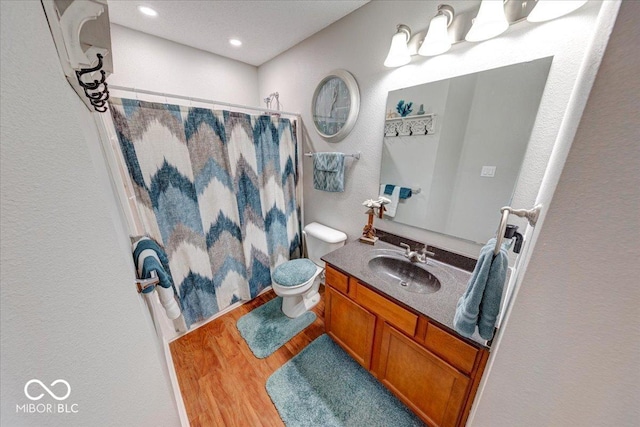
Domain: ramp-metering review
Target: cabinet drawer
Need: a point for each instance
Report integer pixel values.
(336, 280)
(401, 318)
(455, 351)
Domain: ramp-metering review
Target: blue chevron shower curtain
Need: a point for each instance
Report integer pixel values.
(218, 190)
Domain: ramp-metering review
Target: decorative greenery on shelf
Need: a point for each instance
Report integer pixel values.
(404, 109)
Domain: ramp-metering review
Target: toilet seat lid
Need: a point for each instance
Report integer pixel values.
(294, 272)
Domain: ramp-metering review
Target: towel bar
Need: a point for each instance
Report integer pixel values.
(530, 214)
(142, 284)
(354, 155)
(414, 190)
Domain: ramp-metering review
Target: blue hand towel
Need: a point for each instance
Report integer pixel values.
(328, 172)
(149, 256)
(405, 193)
(480, 303)
(153, 260)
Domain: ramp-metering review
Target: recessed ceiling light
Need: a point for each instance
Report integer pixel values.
(235, 42)
(147, 11)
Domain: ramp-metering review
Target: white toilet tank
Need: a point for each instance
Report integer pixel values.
(321, 240)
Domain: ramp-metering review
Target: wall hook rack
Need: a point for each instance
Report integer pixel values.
(423, 124)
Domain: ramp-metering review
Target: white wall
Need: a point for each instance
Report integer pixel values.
(147, 62)
(569, 353)
(359, 43)
(69, 308)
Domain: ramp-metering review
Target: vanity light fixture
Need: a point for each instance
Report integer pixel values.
(437, 40)
(489, 23)
(146, 10)
(545, 10)
(493, 18)
(235, 42)
(399, 51)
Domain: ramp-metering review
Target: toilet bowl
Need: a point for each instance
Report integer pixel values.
(298, 281)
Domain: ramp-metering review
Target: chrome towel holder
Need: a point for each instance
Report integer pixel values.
(531, 215)
(143, 284)
(354, 155)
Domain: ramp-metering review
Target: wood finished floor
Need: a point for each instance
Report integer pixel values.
(222, 382)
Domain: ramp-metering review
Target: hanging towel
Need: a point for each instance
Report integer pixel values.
(405, 193)
(394, 196)
(480, 303)
(149, 256)
(328, 172)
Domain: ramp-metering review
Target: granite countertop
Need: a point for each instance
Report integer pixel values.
(439, 306)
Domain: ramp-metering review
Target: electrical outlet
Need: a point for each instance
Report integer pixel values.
(488, 171)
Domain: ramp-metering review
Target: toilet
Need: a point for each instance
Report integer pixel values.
(298, 281)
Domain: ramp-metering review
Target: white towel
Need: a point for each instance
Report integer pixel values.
(394, 197)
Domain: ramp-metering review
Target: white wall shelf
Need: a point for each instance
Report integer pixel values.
(423, 124)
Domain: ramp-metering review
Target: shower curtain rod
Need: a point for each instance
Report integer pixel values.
(205, 101)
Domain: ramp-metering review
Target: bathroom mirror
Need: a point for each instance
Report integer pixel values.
(461, 148)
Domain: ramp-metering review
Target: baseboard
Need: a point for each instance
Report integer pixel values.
(218, 314)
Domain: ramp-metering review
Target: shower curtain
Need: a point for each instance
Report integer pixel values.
(218, 190)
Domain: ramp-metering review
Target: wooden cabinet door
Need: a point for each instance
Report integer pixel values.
(349, 325)
(432, 388)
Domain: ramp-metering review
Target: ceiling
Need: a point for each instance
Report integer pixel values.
(266, 28)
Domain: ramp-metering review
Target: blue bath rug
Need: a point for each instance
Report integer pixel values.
(267, 328)
(324, 386)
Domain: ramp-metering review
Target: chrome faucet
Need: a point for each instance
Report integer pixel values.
(416, 256)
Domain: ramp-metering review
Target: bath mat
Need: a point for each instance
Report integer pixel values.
(324, 386)
(266, 328)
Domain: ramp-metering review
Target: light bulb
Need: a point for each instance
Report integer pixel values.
(146, 10)
(490, 21)
(399, 51)
(437, 40)
(546, 10)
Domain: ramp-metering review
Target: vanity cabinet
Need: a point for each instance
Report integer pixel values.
(432, 370)
(350, 325)
(435, 390)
